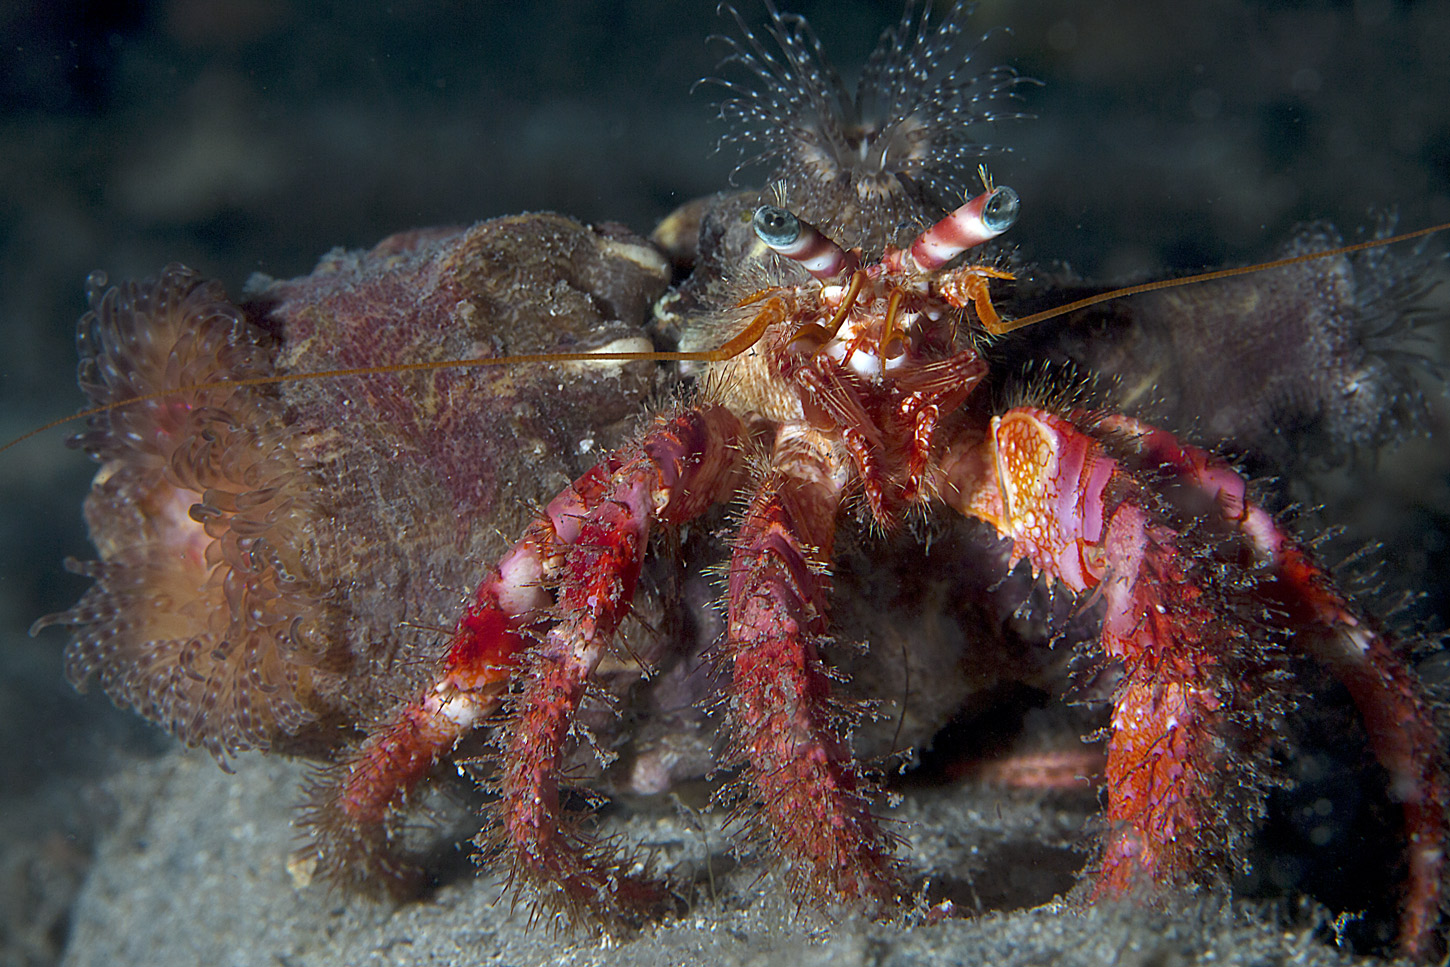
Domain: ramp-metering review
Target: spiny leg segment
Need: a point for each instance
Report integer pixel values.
(587, 547)
(790, 737)
(1402, 727)
(1199, 633)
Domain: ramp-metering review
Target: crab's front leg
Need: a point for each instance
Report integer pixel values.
(587, 547)
(1397, 713)
(684, 466)
(1080, 519)
(813, 804)
(1199, 623)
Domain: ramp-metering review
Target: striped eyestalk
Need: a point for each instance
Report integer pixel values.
(982, 218)
(799, 241)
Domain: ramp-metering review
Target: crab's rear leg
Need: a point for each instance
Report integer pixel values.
(1398, 717)
(588, 547)
(798, 772)
(348, 822)
(1194, 659)
(682, 467)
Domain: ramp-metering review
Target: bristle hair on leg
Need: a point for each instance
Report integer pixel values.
(359, 857)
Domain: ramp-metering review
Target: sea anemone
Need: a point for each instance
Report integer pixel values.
(869, 167)
(207, 609)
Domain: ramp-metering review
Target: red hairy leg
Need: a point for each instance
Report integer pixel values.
(348, 823)
(814, 804)
(1396, 712)
(1082, 519)
(684, 465)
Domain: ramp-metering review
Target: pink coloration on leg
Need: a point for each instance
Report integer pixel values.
(1396, 712)
(1078, 518)
(1196, 649)
(1042, 482)
(685, 465)
(1166, 758)
(352, 804)
(814, 805)
(588, 544)
(596, 586)
(1058, 770)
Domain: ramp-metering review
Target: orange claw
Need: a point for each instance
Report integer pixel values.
(1173, 608)
(967, 285)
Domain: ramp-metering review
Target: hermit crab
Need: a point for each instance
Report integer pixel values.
(835, 334)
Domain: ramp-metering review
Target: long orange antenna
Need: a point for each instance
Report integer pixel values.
(748, 337)
(1007, 326)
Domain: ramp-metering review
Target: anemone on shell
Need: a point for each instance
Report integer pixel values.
(863, 166)
(205, 612)
(276, 560)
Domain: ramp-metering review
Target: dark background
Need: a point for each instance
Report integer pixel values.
(240, 137)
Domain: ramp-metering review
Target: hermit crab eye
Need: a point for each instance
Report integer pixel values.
(982, 218)
(789, 237)
(1000, 211)
(776, 227)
